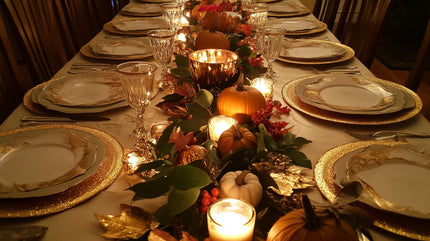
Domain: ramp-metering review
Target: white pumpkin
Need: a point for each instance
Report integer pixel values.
(241, 185)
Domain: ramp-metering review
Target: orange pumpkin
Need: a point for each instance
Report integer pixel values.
(234, 138)
(307, 225)
(240, 102)
(211, 40)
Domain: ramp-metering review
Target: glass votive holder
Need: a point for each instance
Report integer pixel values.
(133, 159)
(264, 85)
(231, 219)
(218, 124)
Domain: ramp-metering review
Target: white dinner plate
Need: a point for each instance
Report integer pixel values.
(305, 50)
(139, 24)
(86, 90)
(122, 47)
(37, 96)
(43, 162)
(350, 94)
(141, 8)
(295, 25)
(395, 178)
(285, 7)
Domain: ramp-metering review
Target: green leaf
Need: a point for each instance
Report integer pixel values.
(164, 139)
(186, 177)
(180, 200)
(299, 158)
(150, 189)
(261, 146)
(181, 72)
(149, 166)
(200, 116)
(204, 98)
(173, 98)
(163, 215)
(181, 61)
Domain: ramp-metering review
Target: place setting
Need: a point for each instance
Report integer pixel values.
(393, 179)
(134, 26)
(314, 52)
(74, 94)
(141, 9)
(118, 49)
(287, 9)
(50, 168)
(298, 26)
(352, 99)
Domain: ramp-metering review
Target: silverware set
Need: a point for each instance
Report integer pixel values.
(386, 135)
(37, 120)
(78, 68)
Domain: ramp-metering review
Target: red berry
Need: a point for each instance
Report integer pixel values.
(206, 201)
(203, 209)
(215, 192)
(214, 199)
(204, 194)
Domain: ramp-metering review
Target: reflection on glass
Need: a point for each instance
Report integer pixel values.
(269, 44)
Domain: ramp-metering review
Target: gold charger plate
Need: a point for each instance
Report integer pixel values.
(31, 105)
(290, 97)
(136, 14)
(87, 51)
(108, 27)
(349, 54)
(312, 31)
(304, 11)
(105, 176)
(324, 175)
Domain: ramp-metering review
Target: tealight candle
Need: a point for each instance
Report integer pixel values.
(218, 124)
(133, 159)
(231, 219)
(265, 86)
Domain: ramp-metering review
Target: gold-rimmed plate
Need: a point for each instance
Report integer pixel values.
(298, 26)
(287, 9)
(290, 97)
(87, 51)
(325, 177)
(141, 10)
(134, 27)
(107, 172)
(343, 52)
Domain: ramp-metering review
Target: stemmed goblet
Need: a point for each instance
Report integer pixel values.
(172, 13)
(138, 82)
(162, 42)
(258, 15)
(269, 44)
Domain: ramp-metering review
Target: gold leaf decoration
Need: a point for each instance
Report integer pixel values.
(292, 178)
(132, 223)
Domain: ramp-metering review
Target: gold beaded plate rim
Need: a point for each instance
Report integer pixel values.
(290, 97)
(104, 177)
(324, 175)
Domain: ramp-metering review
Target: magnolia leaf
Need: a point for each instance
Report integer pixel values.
(149, 166)
(181, 72)
(181, 61)
(180, 200)
(200, 116)
(164, 139)
(150, 189)
(132, 223)
(186, 177)
(173, 97)
(299, 158)
(204, 98)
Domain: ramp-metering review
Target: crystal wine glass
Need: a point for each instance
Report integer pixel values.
(258, 15)
(269, 44)
(138, 83)
(162, 42)
(172, 13)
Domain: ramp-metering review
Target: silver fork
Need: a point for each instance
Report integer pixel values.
(382, 135)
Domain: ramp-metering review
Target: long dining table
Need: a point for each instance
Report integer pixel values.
(79, 222)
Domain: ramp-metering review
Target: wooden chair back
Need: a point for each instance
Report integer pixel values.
(360, 25)
(417, 72)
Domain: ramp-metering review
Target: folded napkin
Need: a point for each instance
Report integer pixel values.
(139, 25)
(142, 8)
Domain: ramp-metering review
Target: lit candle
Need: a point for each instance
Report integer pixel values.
(218, 124)
(133, 159)
(265, 86)
(231, 219)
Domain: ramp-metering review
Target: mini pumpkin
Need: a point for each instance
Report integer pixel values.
(241, 185)
(234, 138)
(211, 40)
(191, 153)
(307, 225)
(240, 102)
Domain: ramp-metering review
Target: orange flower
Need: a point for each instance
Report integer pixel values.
(244, 28)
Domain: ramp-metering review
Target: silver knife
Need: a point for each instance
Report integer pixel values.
(64, 118)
